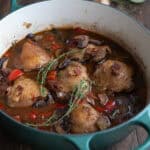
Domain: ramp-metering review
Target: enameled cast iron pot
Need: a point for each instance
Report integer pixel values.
(95, 17)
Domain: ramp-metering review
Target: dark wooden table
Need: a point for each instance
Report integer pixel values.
(141, 13)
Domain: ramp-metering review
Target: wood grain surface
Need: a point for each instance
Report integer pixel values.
(142, 14)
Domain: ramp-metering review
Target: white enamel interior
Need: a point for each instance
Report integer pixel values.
(93, 16)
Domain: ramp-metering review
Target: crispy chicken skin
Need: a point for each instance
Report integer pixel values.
(84, 119)
(72, 75)
(33, 56)
(114, 75)
(23, 93)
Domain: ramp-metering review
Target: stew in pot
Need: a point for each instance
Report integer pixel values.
(70, 81)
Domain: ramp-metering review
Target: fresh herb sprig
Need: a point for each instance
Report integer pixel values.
(79, 92)
(42, 74)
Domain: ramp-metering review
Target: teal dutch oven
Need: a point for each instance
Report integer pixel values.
(95, 17)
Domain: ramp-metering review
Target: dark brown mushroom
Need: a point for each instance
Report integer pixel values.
(96, 42)
(97, 53)
(82, 41)
(43, 101)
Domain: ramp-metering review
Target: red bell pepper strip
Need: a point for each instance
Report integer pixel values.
(52, 75)
(15, 74)
(100, 109)
(110, 106)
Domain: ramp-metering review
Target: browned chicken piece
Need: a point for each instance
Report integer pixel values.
(84, 119)
(23, 93)
(103, 122)
(72, 75)
(67, 79)
(114, 76)
(33, 56)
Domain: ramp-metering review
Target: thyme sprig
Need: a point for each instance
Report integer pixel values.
(79, 92)
(42, 74)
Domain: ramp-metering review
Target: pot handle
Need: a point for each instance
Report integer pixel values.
(144, 121)
(80, 142)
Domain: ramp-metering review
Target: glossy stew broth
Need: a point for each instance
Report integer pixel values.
(70, 81)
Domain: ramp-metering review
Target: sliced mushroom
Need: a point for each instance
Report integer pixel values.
(64, 64)
(92, 52)
(103, 122)
(125, 105)
(96, 42)
(43, 101)
(82, 41)
(97, 53)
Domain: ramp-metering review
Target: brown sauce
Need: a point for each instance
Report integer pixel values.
(133, 100)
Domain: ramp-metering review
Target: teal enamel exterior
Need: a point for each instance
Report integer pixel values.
(15, 5)
(98, 140)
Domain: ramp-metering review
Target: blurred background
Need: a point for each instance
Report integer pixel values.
(140, 11)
